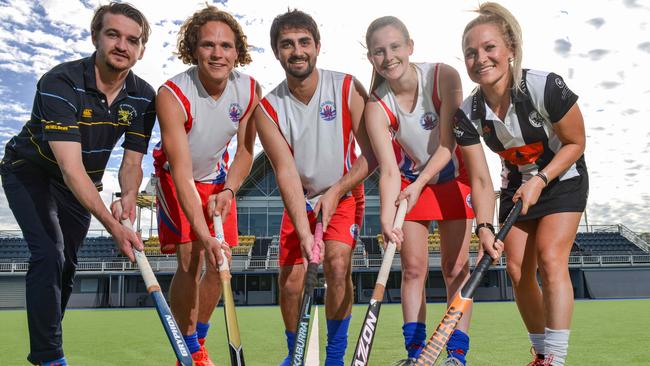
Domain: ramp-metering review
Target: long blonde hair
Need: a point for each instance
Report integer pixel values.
(496, 14)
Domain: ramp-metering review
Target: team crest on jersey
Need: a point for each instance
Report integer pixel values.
(126, 113)
(327, 111)
(234, 112)
(354, 231)
(535, 119)
(428, 121)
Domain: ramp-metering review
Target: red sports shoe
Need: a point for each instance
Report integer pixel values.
(540, 360)
(200, 358)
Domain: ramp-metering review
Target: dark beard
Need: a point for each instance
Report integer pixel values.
(300, 75)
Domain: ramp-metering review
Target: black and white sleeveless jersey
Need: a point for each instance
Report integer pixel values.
(525, 140)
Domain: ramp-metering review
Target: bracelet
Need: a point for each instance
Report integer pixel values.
(486, 225)
(231, 191)
(541, 175)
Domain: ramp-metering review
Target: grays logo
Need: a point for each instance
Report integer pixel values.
(176, 334)
(535, 119)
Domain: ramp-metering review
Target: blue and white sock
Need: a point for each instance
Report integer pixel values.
(414, 336)
(291, 341)
(337, 341)
(192, 342)
(202, 331)
(458, 345)
(58, 362)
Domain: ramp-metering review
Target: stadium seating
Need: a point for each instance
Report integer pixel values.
(605, 243)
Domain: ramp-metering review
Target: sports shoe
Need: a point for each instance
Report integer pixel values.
(405, 362)
(540, 360)
(452, 361)
(200, 358)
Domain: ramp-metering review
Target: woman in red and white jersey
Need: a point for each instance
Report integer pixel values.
(531, 119)
(409, 120)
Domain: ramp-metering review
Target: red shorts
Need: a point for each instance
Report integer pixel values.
(340, 228)
(173, 227)
(446, 201)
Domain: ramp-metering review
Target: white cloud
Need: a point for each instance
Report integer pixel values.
(613, 93)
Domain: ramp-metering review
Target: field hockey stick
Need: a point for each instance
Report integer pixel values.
(153, 288)
(232, 326)
(369, 325)
(463, 299)
(302, 332)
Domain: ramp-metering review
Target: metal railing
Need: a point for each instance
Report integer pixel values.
(633, 237)
(168, 264)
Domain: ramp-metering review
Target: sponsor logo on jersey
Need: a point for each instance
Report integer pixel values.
(536, 120)
(428, 121)
(126, 113)
(354, 231)
(487, 131)
(327, 111)
(234, 112)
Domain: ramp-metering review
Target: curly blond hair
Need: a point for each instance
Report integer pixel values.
(188, 36)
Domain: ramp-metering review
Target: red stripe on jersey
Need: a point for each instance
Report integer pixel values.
(274, 117)
(186, 103)
(251, 98)
(435, 97)
(270, 111)
(347, 118)
(462, 173)
(391, 117)
(523, 155)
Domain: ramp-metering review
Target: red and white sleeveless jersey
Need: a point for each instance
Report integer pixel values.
(318, 133)
(416, 134)
(210, 124)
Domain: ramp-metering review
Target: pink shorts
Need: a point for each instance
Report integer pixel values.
(341, 228)
(446, 201)
(173, 226)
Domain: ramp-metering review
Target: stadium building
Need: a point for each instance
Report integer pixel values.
(606, 261)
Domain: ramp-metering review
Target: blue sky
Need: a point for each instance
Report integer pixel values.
(601, 48)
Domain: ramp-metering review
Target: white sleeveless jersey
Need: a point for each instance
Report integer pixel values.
(416, 134)
(319, 133)
(210, 124)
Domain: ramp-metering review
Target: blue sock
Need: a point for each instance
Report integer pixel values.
(58, 362)
(458, 345)
(192, 342)
(337, 341)
(291, 341)
(202, 329)
(414, 336)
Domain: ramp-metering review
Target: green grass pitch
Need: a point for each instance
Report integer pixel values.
(604, 333)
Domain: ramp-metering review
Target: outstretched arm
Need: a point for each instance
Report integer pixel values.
(68, 156)
(172, 119)
(361, 168)
(287, 177)
(451, 95)
(242, 162)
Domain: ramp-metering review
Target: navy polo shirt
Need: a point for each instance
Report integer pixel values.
(69, 107)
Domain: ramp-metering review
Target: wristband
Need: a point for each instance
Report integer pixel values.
(231, 191)
(486, 225)
(541, 175)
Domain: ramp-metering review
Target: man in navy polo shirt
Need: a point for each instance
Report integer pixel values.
(52, 170)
